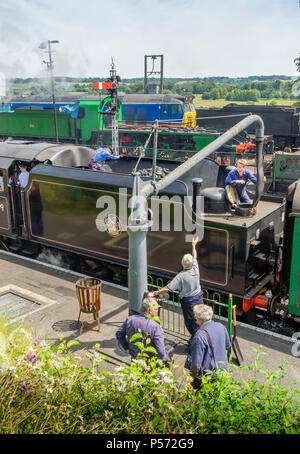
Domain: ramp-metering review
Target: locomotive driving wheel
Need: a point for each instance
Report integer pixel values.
(272, 304)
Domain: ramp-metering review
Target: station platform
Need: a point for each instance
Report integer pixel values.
(50, 308)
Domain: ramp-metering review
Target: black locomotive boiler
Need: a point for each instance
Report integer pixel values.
(60, 208)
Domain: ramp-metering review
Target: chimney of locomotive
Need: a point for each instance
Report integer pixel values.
(197, 182)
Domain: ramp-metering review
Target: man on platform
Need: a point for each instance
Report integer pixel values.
(148, 327)
(209, 345)
(188, 284)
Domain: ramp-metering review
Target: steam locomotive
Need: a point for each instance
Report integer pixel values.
(240, 252)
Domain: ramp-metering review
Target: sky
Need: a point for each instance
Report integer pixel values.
(198, 38)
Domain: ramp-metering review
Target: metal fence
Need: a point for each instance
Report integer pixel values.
(171, 315)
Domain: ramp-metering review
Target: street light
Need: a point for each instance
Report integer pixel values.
(50, 67)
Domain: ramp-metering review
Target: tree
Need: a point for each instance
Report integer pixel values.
(243, 95)
(297, 61)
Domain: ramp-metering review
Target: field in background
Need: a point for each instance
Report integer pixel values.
(219, 103)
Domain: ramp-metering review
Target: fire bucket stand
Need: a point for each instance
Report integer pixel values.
(89, 297)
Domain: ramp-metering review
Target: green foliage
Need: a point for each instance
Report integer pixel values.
(297, 61)
(250, 88)
(243, 95)
(49, 390)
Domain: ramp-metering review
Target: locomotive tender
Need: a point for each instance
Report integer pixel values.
(282, 123)
(59, 208)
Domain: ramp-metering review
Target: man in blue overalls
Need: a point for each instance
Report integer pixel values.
(238, 178)
(98, 160)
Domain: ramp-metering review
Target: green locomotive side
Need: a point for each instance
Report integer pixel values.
(294, 293)
(92, 128)
(92, 120)
(36, 124)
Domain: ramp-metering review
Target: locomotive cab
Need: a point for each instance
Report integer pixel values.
(5, 209)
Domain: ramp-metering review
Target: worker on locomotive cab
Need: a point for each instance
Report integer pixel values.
(238, 178)
(98, 160)
(188, 284)
(23, 176)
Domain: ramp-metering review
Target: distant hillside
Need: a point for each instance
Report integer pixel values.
(243, 89)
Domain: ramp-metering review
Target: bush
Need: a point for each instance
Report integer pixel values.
(45, 389)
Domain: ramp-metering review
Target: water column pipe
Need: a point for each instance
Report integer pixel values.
(142, 191)
(152, 188)
(138, 226)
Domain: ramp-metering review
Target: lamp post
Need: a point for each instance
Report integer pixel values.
(50, 67)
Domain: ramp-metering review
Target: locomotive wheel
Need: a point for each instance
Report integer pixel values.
(272, 304)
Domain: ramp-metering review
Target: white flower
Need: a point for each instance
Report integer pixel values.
(119, 369)
(168, 380)
(171, 407)
(108, 414)
(26, 333)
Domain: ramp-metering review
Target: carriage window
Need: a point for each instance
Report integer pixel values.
(142, 114)
(165, 108)
(128, 114)
(180, 108)
(174, 108)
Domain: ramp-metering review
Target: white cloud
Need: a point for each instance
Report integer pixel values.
(197, 37)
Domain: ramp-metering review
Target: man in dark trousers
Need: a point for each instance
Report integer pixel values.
(148, 328)
(210, 343)
(188, 284)
(238, 178)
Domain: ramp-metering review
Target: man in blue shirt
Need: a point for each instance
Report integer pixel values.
(203, 356)
(23, 176)
(98, 160)
(188, 284)
(238, 178)
(148, 327)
